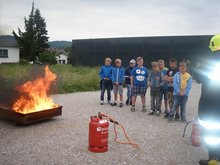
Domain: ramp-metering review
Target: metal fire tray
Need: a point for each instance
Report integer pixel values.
(25, 119)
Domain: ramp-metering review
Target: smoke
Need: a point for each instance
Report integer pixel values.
(8, 92)
(5, 29)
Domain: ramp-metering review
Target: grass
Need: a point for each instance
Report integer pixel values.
(69, 78)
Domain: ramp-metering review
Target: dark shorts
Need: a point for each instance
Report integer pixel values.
(163, 94)
(136, 90)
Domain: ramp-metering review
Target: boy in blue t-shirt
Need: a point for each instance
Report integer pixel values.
(139, 77)
(106, 80)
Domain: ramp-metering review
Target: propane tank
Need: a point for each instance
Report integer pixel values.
(196, 136)
(98, 134)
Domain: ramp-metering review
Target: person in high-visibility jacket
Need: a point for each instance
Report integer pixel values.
(208, 74)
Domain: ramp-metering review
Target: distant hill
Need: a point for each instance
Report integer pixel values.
(60, 44)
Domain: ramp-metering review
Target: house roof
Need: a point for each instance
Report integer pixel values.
(8, 41)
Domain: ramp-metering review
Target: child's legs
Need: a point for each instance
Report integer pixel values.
(134, 98)
(143, 100)
(142, 93)
(176, 103)
(161, 97)
(128, 91)
(165, 93)
(157, 98)
(120, 90)
(183, 101)
(152, 100)
(134, 95)
(109, 91)
(170, 99)
(102, 91)
(115, 90)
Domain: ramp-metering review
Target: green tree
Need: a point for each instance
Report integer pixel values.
(33, 41)
(48, 57)
(68, 50)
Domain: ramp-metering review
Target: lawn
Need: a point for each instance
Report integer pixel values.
(69, 78)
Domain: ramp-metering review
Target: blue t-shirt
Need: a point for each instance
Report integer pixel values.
(140, 76)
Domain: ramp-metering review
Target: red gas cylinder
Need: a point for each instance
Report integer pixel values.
(98, 134)
(196, 137)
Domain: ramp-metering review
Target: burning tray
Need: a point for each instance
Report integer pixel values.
(25, 119)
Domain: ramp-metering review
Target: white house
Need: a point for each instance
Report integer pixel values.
(62, 59)
(9, 49)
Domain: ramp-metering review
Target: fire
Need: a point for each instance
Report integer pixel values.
(34, 94)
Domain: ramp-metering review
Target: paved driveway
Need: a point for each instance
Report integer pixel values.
(64, 140)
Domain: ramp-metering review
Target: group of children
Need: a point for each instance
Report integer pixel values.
(171, 85)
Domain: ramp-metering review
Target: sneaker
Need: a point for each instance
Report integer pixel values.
(121, 105)
(170, 119)
(166, 115)
(127, 102)
(183, 121)
(132, 108)
(158, 113)
(203, 162)
(109, 102)
(101, 102)
(144, 109)
(113, 104)
(151, 112)
(166, 111)
(177, 117)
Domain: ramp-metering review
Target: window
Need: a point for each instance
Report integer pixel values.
(3, 53)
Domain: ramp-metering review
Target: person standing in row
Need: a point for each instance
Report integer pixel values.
(128, 80)
(182, 82)
(139, 78)
(106, 80)
(155, 80)
(117, 80)
(164, 89)
(169, 78)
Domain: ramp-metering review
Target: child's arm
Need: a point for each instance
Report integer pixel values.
(126, 72)
(101, 73)
(132, 77)
(132, 81)
(122, 76)
(113, 77)
(110, 78)
(149, 80)
(188, 87)
(176, 83)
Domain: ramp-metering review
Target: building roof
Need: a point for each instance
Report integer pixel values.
(8, 41)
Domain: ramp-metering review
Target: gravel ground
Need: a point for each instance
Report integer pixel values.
(64, 140)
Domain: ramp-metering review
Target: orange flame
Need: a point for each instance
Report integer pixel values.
(34, 94)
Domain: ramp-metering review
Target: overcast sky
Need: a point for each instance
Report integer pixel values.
(77, 19)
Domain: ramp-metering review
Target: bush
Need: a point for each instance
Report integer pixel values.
(48, 57)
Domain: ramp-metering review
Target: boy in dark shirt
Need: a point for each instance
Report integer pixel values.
(169, 78)
(128, 80)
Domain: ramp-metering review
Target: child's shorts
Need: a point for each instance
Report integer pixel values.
(163, 94)
(136, 90)
(118, 89)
